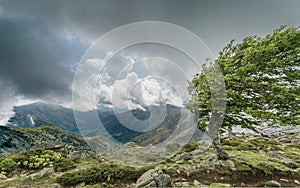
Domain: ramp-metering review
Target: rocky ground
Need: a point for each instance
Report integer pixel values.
(255, 162)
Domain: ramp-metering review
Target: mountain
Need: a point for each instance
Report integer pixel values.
(14, 139)
(37, 114)
(114, 125)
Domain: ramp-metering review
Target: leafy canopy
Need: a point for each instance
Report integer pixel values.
(262, 78)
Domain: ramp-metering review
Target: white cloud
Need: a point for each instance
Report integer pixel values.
(127, 92)
(9, 98)
(169, 71)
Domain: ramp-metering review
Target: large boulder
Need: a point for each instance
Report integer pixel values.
(154, 178)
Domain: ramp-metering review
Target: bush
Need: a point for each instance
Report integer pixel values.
(64, 164)
(35, 159)
(7, 165)
(108, 173)
(191, 146)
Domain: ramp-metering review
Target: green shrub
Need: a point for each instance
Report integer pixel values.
(64, 164)
(35, 159)
(108, 173)
(191, 146)
(7, 165)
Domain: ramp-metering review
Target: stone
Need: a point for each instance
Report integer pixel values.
(41, 174)
(297, 182)
(198, 184)
(2, 177)
(219, 185)
(266, 165)
(271, 159)
(284, 180)
(197, 152)
(272, 183)
(229, 163)
(184, 156)
(154, 178)
(75, 155)
(290, 164)
(23, 175)
(54, 185)
(185, 184)
(162, 180)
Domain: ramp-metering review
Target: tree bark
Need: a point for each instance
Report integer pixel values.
(220, 153)
(213, 133)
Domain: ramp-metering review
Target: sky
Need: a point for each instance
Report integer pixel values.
(42, 42)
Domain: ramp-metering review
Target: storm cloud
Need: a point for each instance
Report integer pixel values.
(33, 59)
(41, 42)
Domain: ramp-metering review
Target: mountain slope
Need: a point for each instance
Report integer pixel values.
(14, 139)
(37, 114)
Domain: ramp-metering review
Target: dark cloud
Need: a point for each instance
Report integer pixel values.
(33, 59)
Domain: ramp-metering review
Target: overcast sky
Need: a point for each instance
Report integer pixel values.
(41, 41)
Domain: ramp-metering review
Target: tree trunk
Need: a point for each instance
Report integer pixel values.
(213, 132)
(221, 154)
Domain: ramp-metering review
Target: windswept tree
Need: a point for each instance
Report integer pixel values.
(262, 79)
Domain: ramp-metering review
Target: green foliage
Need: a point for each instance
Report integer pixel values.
(7, 165)
(255, 144)
(30, 160)
(262, 81)
(191, 146)
(36, 159)
(101, 173)
(64, 164)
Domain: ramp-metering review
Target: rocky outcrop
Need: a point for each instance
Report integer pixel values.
(154, 178)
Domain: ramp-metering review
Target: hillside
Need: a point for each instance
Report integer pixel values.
(255, 162)
(13, 139)
(37, 114)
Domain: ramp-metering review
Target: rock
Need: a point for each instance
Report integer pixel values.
(266, 165)
(23, 175)
(284, 180)
(224, 164)
(271, 159)
(154, 178)
(215, 185)
(162, 179)
(197, 152)
(229, 163)
(290, 164)
(54, 185)
(179, 162)
(185, 184)
(2, 177)
(76, 155)
(184, 156)
(272, 183)
(41, 174)
(297, 182)
(198, 184)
